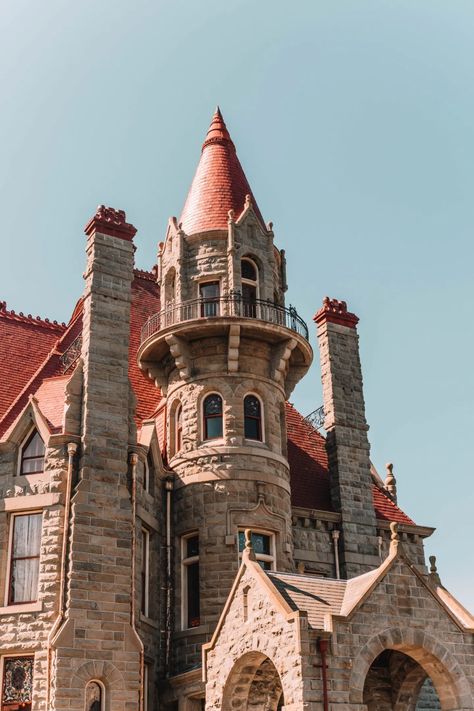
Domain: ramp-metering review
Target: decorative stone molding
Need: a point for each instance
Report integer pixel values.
(335, 311)
(110, 222)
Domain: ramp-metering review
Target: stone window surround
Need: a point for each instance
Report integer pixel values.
(8, 655)
(35, 605)
(185, 561)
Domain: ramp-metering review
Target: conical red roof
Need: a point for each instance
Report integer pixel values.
(219, 184)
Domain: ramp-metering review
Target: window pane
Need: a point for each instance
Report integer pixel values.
(193, 595)
(213, 405)
(252, 406)
(213, 427)
(24, 580)
(260, 543)
(17, 680)
(192, 546)
(26, 535)
(209, 290)
(252, 429)
(265, 564)
(248, 270)
(35, 447)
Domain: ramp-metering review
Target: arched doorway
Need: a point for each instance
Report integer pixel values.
(253, 685)
(396, 682)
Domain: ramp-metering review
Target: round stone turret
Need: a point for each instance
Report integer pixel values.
(226, 353)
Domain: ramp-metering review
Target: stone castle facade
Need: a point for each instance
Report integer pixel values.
(174, 534)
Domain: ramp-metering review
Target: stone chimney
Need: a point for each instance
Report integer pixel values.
(98, 621)
(347, 443)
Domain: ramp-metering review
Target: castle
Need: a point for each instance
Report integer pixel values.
(174, 534)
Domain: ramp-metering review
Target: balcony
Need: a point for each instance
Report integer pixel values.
(225, 307)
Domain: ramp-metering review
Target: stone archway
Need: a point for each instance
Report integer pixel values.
(253, 684)
(452, 687)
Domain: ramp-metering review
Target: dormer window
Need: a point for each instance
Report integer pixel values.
(32, 454)
(249, 273)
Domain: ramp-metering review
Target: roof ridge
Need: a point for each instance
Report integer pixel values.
(37, 321)
(148, 275)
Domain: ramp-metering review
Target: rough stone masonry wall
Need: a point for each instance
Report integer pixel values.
(97, 639)
(23, 631)
(254, 631)
(348, 446)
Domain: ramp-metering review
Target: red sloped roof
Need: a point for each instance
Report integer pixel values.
(308, 463)
(145, 303)
(219, 184)
(387, 510)
(24, 344)
(50, 396)
(309, 474)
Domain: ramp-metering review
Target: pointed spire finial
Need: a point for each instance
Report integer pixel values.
(434, 575)
(394, 537)
(248, 551)
(391, 482)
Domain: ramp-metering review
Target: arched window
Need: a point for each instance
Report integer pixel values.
(253, 417)
(32, 454)
(250, 294)
(95, 696)
(178, 429)
(212, 410)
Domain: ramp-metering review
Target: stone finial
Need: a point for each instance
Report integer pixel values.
(391, 482)
(300, 567)
(335, 311)
(110, 222)
(248, 552)
(248, 200)
(394, 537)
(231, 215)
(434, 575)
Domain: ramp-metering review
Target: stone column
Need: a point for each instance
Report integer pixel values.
(347, 442)
(97, 640)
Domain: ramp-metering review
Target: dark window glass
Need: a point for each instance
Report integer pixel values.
(179, 428)
(252, 418)
(209, 294)
(145, 571)
(212, 417)
(193, 594)
(32, 456)
(17, 688)
(249, 300)
(25, 558)
(260, 544)
(149, 483)
(249, 270)
(192, 547)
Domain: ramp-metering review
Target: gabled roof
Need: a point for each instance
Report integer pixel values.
(219, 184)
(31, 363)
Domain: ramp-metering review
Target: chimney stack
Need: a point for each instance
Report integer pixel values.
(347, 443)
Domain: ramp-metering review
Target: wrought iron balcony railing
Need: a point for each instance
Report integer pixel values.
(222, 307)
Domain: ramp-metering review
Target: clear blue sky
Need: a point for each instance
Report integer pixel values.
(354, 123)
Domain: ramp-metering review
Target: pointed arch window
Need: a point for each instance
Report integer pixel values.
(253, 418)
(32, 454)
(212, 410)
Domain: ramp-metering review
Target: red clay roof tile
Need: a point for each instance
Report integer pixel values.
(219, 184)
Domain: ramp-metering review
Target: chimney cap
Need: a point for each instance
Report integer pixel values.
(335, 311)
(112, 222)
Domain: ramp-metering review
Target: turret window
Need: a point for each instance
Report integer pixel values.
(209, 296)
(178, 423)
(95, 696)
(32, 454)
(253, 418)
(249, 273)
(213, 424)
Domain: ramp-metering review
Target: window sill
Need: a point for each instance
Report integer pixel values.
(192, 632)
(149, 621)
(21, 609)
